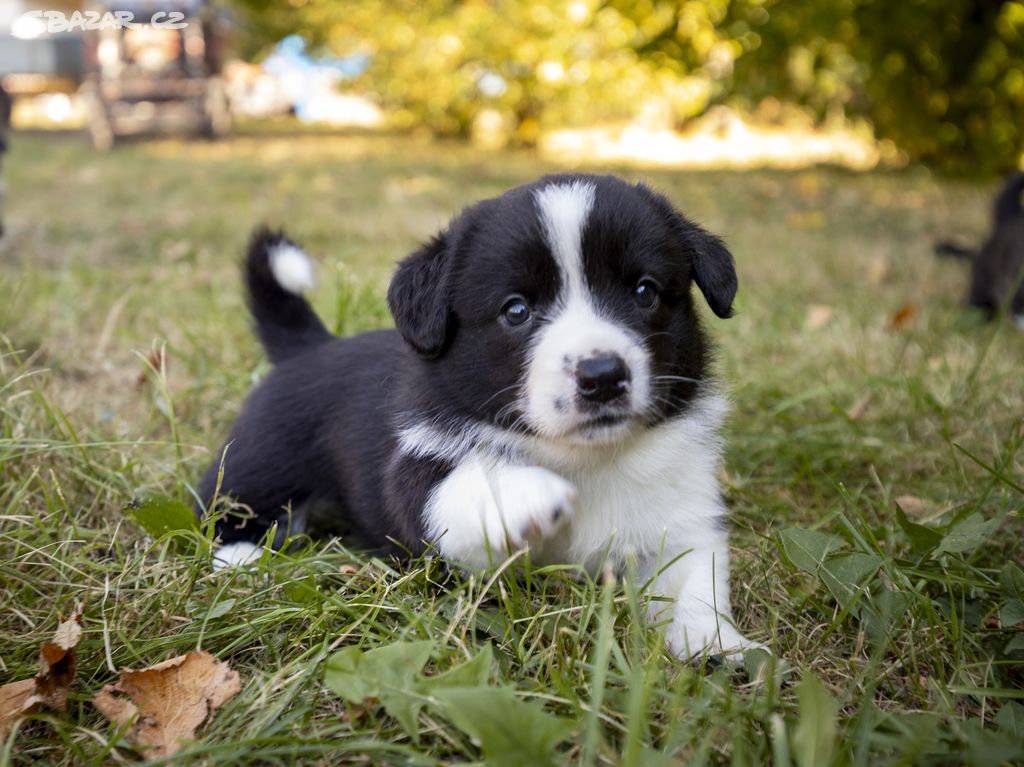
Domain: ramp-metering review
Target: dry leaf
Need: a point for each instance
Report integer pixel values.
(912, 506)
(818, 316)
(155, 360)
(171, 699)
(859, 408)
(49, 688)
(878, 270)
(901, 318)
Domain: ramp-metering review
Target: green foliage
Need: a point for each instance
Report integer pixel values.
(918, 655)
(510, 732)
(160, 515)
(815, 733)
(942, 80)
(525, 65)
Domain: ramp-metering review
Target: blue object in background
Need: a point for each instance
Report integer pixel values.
(304, 77)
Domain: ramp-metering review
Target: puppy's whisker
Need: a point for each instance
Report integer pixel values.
(649, 336)
(496, 395)
(675, 378)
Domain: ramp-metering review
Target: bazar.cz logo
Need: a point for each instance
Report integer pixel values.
(89, 21)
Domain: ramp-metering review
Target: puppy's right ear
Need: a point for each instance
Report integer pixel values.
(419, 298)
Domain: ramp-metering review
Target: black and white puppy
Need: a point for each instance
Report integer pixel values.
(547, 386)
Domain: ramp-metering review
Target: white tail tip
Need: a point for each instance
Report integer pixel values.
(292, 268)
(236, 555)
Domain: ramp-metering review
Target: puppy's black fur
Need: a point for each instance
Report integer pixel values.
(322, 429)
(997, 268)
(6, 105)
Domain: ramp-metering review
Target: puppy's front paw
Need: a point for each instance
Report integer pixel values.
(526, 503)
(713, 636)
(480, 513)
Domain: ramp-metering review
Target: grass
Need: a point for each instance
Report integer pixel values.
(874, 472)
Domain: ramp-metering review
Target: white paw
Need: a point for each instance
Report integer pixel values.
(523, 504)
(713, 635)
(236, 555)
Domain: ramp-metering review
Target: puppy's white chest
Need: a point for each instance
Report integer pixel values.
(662, 491)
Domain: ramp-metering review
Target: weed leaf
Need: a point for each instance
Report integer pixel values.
(160, 515)
(388, 673)
(990, 747)
(844, 574)
(968, 534)
(510, 732)
(1011, 579)
(807, 549)
(883, 613)
(342, 676)
(1011, 718)
(220, 609)
(393, 675)
(922, 539)
(815, 732)
(473, 673)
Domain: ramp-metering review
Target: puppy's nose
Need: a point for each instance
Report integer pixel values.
(602, 378)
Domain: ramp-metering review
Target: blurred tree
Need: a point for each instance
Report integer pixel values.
(519, 65)
(943, 79)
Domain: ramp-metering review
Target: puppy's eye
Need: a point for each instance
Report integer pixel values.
(646, 293)
(516, 311)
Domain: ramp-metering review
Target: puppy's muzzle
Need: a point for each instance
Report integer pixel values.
(602, 378)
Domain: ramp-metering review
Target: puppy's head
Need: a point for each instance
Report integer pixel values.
(563, 308)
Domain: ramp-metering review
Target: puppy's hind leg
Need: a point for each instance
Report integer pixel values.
(250, 499)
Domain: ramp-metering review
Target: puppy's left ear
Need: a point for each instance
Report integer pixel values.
(419, 298)
(712, 264)
(714, 270)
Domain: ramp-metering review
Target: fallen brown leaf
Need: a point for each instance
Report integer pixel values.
(859, 408)
(170, 699)
(48, 688)
(901, 318)
(912, 506)
(818, 316)
(155, 360)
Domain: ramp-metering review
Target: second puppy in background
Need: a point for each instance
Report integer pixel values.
(997, 269)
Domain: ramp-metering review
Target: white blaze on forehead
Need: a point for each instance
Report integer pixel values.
(564, 209)
(575, 327)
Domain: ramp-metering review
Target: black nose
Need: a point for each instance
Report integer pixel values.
(602, 378)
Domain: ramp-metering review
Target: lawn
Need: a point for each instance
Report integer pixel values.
(874, 471)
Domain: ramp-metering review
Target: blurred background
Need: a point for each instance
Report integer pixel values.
(831, 143)
(685, 83)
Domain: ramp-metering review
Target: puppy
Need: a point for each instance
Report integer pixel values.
(997, 270)
(6, 106)
(547, 386)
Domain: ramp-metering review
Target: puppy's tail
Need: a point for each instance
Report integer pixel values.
(277, 273)
(1008, 203)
